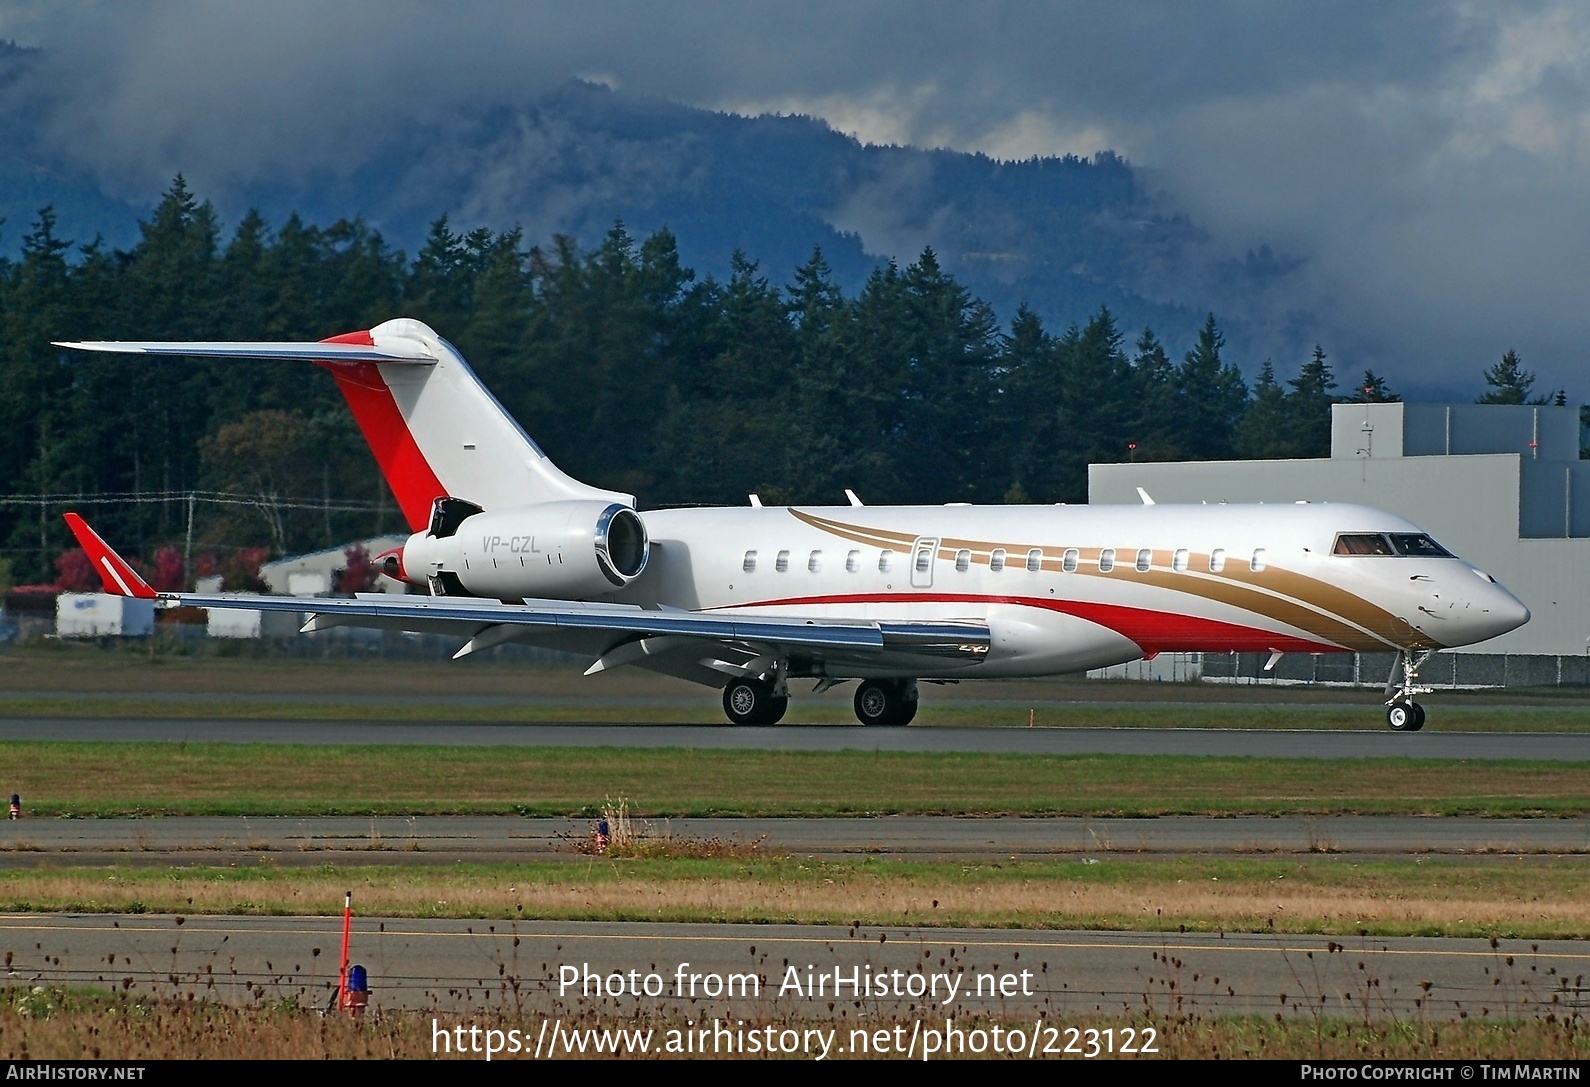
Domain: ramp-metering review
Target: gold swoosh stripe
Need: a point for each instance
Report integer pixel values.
(858, 534)
(1285, 596)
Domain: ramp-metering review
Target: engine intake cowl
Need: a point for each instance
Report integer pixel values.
(558, 550)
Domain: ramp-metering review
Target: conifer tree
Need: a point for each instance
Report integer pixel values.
(1309, 406)
(1210, 397)
(1509, 383)
(1265, 431)
(1155, 379)
(1372, 389)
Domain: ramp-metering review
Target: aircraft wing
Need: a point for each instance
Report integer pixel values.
(606, 627)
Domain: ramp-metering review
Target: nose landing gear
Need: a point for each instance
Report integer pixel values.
(1403, 714)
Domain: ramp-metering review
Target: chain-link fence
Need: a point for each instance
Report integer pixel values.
(1372, 669)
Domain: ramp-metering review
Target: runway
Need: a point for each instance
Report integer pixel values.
(440, 840)
(1225, 743)
(533, 968)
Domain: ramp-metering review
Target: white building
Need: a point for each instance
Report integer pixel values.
(296, 575)
(96, 615)
(310, 574)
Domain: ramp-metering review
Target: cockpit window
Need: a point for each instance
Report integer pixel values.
(1410, 544)
(1418, 545)
(1362, 543)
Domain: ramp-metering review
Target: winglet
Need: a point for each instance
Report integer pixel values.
(119, 578)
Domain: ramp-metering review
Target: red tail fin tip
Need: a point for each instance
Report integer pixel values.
(119, 578)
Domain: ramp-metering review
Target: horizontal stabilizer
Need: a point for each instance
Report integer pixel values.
(220, 349)
(434, 429)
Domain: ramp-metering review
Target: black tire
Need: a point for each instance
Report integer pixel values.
(1402, 717)
(883, 702)
(1418, 717)
(751, 702)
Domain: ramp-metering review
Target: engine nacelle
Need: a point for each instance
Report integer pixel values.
(558, 550)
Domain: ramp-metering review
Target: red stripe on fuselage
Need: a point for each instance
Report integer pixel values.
(1152, 631)
(407, 472)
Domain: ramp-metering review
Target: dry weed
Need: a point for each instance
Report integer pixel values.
(627, 838)
(808, 892)
(55, 1024)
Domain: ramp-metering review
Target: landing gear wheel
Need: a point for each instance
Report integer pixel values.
(1405, 716)
(885, 702)
(752, 702)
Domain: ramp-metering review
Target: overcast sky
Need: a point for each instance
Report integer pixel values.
(1427, 161)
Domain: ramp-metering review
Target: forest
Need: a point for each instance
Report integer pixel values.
(627, 369)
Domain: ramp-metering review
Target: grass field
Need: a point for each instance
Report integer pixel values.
(1505, 897)
(99, 779)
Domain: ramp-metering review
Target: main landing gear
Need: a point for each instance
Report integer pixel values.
(752, 700)
(1403, 714)
(763, 700)
(886, 702)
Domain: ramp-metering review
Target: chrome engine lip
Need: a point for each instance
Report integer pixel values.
(604, 557)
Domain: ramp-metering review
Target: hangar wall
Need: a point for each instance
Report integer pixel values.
(1502, 486)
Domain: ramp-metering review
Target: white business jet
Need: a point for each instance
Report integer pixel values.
(747, 599)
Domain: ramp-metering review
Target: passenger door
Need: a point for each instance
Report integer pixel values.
(924, 556)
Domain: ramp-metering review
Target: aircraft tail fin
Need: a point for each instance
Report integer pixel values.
(434, 429)
(119, 578)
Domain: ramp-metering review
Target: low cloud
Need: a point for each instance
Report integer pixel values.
(1419, 167)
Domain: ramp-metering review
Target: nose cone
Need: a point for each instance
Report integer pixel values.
(1499, 611)
(1510, 611)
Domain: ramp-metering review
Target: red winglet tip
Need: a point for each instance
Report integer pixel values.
(358, 339)
(118, 578)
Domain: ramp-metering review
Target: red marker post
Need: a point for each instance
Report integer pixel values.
(347, 937)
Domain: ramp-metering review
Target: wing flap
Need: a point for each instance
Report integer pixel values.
(612, 618)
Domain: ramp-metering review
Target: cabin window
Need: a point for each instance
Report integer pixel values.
(749, 565)
(1145, 559)
(1035, 560)
(781, 564)
(815, 562)
(996, 559)
(1217, 560)
(963, 561)
(1258, 560)
(1178, 561)
(1068, 561)
(924, 559)
(1361, 543)
(1106, 560)
(885, 561)
(853, 562)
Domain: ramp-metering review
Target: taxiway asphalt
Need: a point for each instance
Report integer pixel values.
(464, 967)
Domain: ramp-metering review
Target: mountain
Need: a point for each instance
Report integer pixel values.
(1065, 235)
